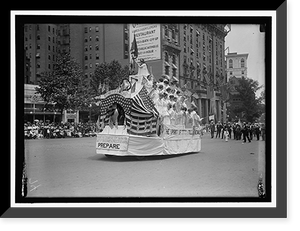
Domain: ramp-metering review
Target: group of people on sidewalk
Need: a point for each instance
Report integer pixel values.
(245, 131)
(40, 130)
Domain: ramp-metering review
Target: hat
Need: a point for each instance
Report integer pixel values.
(166, 81)
(160, 85)
(166, 77)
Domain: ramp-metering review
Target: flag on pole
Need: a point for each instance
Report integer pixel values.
(133, 54)
(134, 48)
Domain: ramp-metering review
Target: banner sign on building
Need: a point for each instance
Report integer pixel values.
(147, 39)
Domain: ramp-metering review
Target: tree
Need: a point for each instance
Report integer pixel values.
(65, 86)
(249, 105)
(108, 76)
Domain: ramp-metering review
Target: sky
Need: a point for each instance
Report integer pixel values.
(246, 38)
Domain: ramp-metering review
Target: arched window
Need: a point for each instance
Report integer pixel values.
(242, 63)
(230, 63)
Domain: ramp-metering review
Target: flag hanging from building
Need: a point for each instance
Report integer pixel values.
(210, 92)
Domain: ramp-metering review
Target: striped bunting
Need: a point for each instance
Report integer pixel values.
(141, 114)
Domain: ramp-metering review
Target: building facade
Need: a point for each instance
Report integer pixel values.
(236, 65)
(41, 47)
(193, 53)
(202, 55)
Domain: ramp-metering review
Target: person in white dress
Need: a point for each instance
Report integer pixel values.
(143, 69)
(173, 114)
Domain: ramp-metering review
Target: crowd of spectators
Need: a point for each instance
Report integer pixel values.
(40, 130)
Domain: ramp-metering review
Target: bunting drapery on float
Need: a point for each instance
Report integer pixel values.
(138, 136)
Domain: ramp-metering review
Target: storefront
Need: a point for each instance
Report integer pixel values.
(34, 107)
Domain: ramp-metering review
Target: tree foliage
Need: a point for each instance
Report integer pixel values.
(108, 76)
(249, 107)
(65, 86)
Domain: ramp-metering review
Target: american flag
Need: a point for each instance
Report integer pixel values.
(140, 112)
(143, 105)
(143, 116)
(106, 110)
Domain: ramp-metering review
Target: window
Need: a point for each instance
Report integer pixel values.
(90, 56)
(97, 56)
(97, 29)
(86, 57)
(90, 38)
(97, 47)
(173, 33)
(166, 31)
(174, 72)
(167, 70)
(85, 30)
(90, 29)
(86, 40)
(230, 63)
(90, 47)
(166, 57)
(49, 29)
(174, 59)
(242, 63)
(91, 65)
(97, 38)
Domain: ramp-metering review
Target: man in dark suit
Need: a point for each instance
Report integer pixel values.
(212, 129)
(245, 131)
(219, 128)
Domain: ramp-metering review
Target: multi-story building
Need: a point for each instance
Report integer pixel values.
(190, 52)
(236, 65)
(92, 44)
(41, 47)
(202, 55)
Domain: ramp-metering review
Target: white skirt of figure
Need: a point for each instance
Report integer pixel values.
(166, 120)
(226, 134)
(143, 70)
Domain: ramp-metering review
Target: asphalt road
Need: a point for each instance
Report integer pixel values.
(70, 167)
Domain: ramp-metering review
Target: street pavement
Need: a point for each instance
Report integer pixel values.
(70, 167)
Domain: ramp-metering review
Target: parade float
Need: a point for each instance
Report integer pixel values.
(131, 124)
